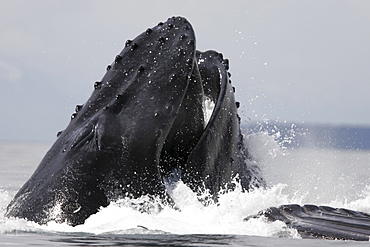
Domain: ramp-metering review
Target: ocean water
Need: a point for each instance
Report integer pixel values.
(339, 178)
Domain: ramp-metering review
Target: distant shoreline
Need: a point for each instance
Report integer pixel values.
(314, 135)
(298, 135)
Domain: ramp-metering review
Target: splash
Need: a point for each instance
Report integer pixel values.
(225, 217)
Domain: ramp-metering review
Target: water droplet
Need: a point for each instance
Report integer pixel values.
(237, 104)
(148, 31)
(73, 115)
(109, 67)
(59, 133)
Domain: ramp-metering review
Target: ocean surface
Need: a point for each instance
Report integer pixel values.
(336, 177)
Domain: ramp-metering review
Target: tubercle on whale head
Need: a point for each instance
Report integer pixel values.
(97, 85)
(78, 108)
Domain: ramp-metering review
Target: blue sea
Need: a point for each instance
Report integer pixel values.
(296, 172)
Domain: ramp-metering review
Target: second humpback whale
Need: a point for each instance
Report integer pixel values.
(145, 123)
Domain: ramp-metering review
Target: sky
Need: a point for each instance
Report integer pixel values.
(294, 61)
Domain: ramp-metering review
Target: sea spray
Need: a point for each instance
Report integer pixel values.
(225, 217)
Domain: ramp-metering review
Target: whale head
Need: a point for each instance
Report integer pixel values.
(145, 120)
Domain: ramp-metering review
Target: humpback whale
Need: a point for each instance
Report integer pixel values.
(145, 123)
(313, 221)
